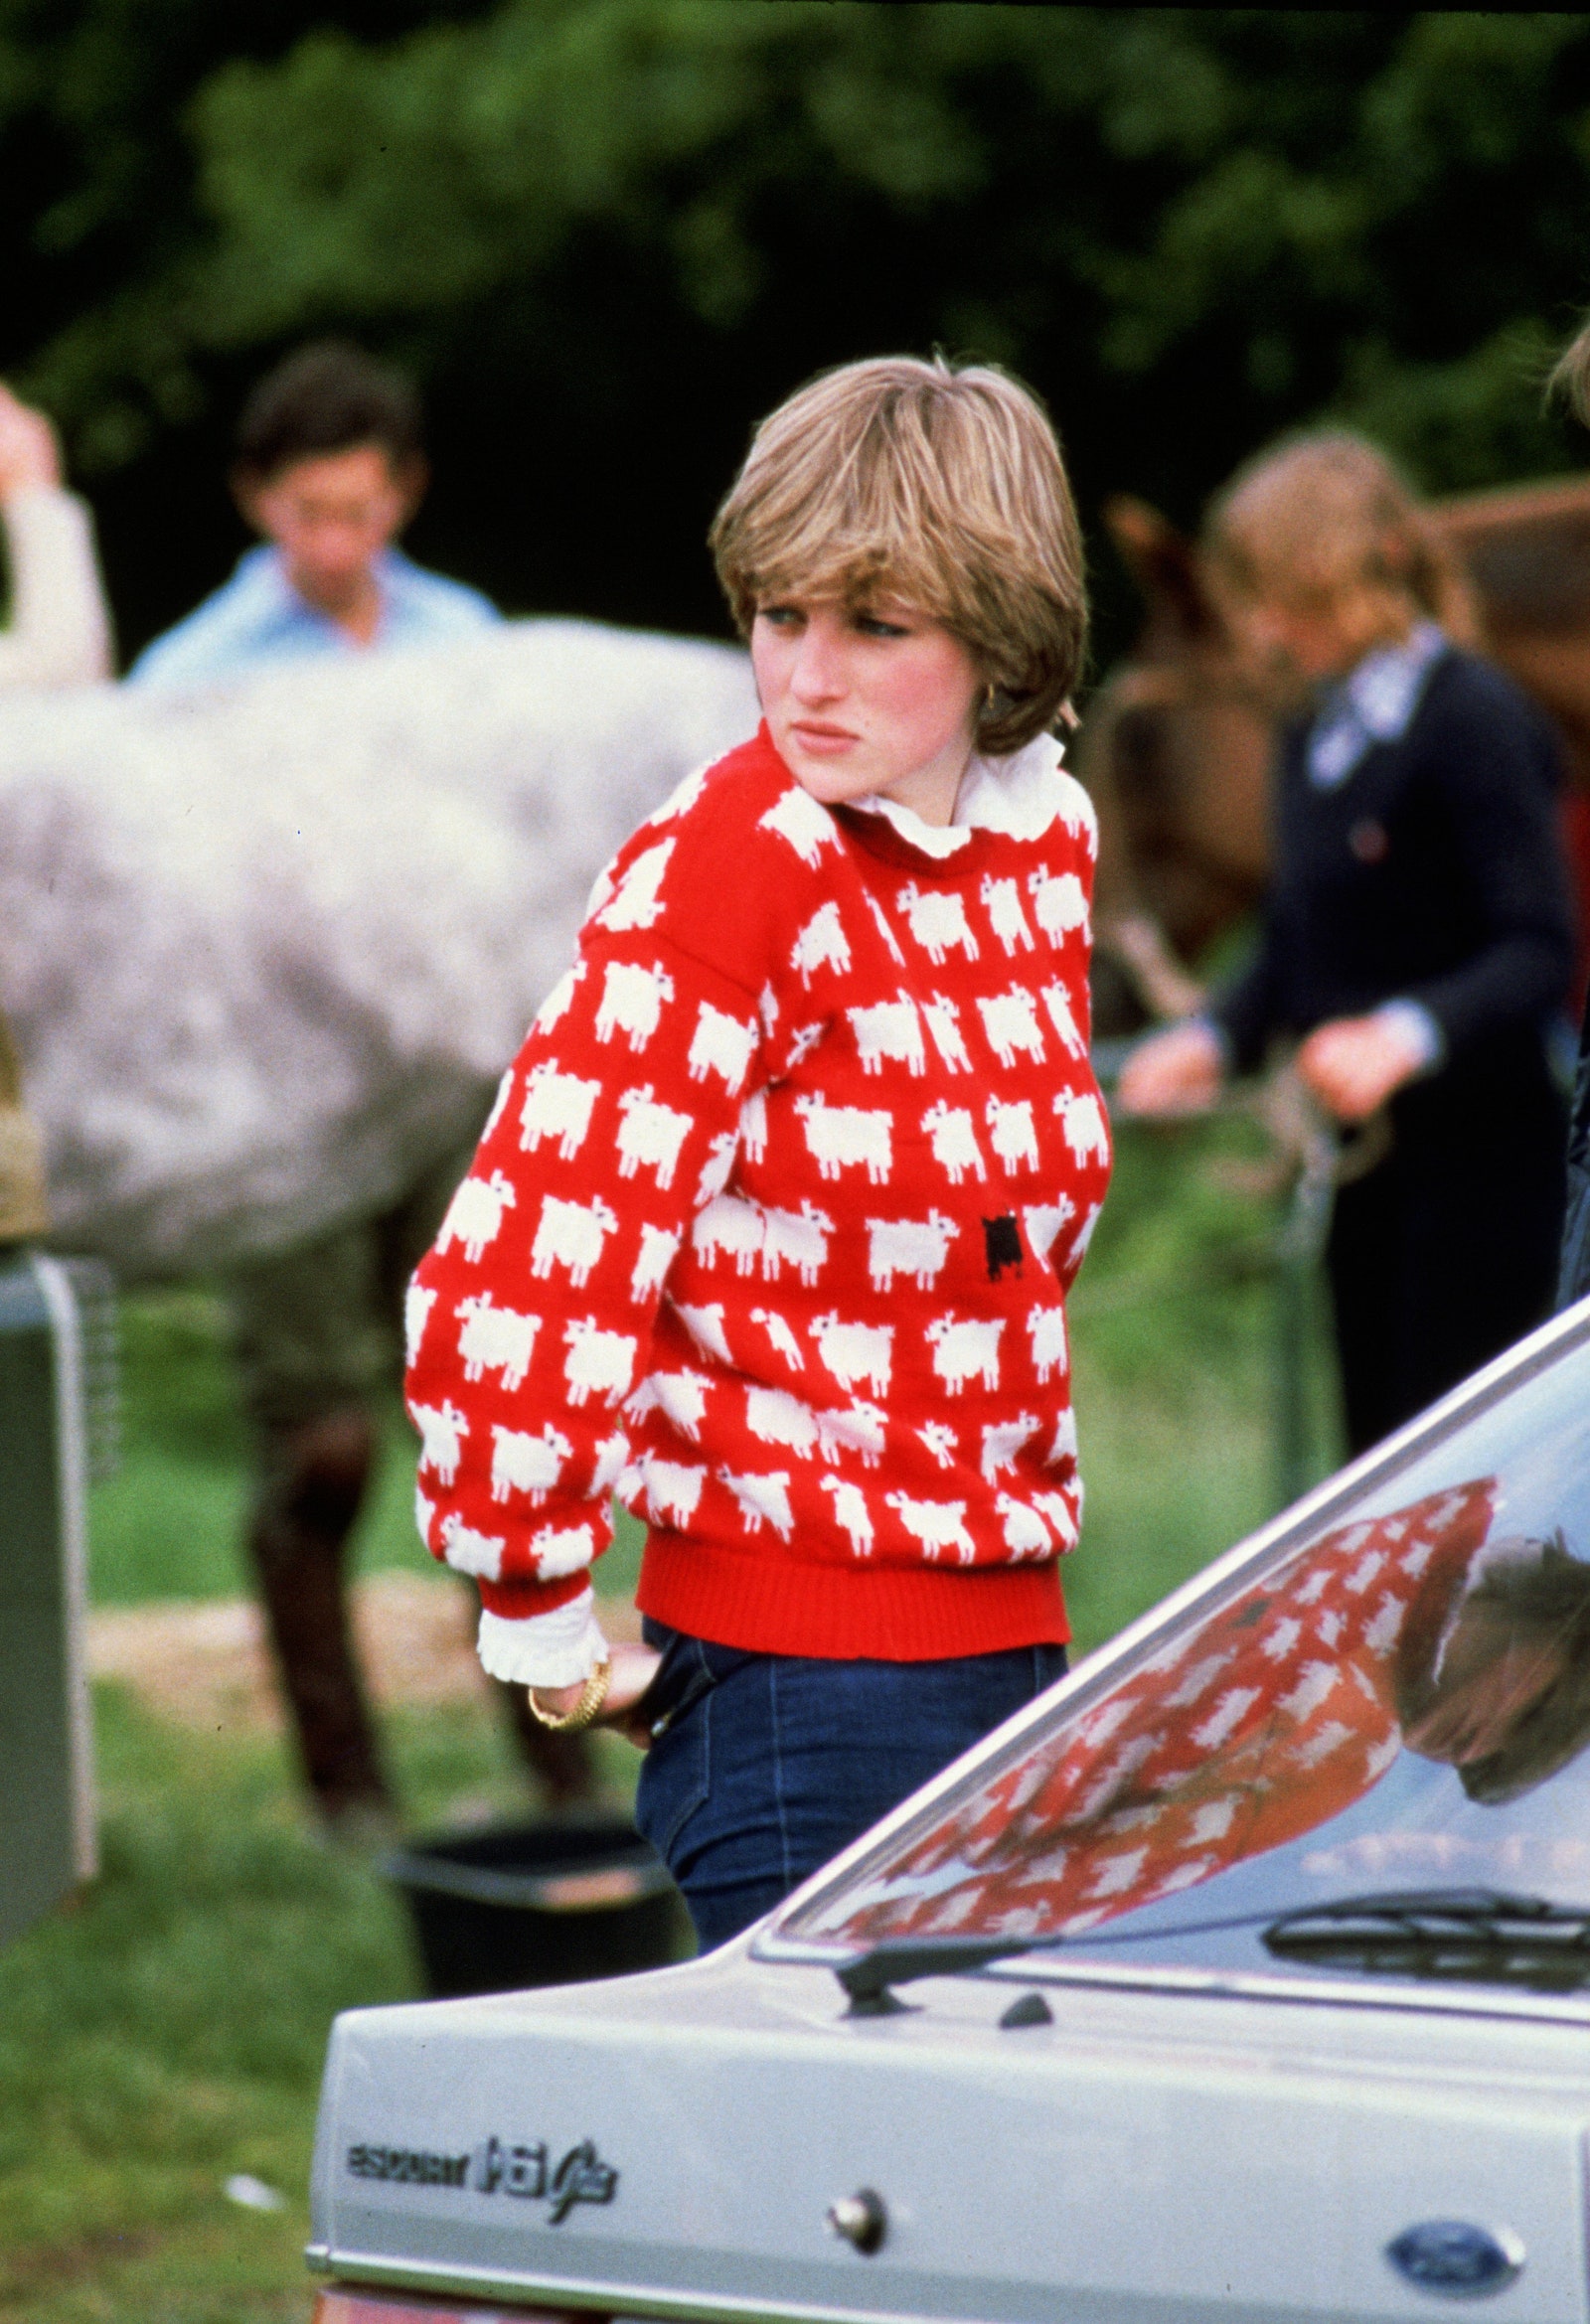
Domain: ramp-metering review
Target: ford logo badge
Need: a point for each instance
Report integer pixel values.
(1457, 2259)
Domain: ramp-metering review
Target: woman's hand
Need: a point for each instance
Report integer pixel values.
(634, 1668)
(1354, 1063)
(1174, 1072)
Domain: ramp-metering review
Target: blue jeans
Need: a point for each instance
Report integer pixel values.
(767, 1764)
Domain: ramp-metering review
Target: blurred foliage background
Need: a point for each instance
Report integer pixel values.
(608, 234)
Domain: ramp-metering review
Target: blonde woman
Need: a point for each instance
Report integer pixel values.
(1417, 937)
(773, 1222)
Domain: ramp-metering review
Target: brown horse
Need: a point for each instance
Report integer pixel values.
(1176, 747)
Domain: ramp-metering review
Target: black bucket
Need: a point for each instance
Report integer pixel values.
(541, 1903)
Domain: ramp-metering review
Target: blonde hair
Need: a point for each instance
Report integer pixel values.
(1323, 518)
(941, 485)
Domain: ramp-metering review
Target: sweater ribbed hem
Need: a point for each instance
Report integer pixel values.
(766, 1603)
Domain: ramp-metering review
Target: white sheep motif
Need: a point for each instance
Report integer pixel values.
(763, 1500)
(856, 1428)
(673, 1490)
(680, 1396)
(495, 1340)
(842, 1138)
(856, 1351)
(799, 821)
(556, 1105)
(469, 1552)
(821, 943)
(774, 1417)
(1025, 1534)
(934, 1525)
(598, 1363)
(917, 1247)
(723, 1045)
(561, 1549)
(442, 1432)
(966, 1349)
(650, 1135)
(1012, 1133)
(475, 1215)
(530, 1464)
(1059, 903)
(1046, 1331)
(1010, 1021)
(851, 1512)
(955, 1147)
(572, 1235)
(890, 1032)
(632, 1001)
(1003, 899)
(730, 1229)
(1082, 1120)
(798, 1239)
(937, 921)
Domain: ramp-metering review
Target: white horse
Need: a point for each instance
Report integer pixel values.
(266, 949)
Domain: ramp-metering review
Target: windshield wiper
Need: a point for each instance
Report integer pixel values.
(866, 1977)
(1477, 1935)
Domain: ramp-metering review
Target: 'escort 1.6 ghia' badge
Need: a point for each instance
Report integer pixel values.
(500, 2166)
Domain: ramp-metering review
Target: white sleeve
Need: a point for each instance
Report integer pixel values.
(60, 632)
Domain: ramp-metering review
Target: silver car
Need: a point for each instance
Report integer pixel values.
(1245, 1975)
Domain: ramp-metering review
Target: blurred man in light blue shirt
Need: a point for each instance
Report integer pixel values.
(330, 469)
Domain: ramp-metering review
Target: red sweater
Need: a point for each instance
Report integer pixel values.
(769, 1231)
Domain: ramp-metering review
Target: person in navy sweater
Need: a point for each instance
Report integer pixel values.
(1417, 937)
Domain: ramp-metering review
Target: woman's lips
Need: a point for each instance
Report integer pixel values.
(823, 741)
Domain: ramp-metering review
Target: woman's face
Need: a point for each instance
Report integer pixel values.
(1493, 1672)
(866, 701)
(1316, 639)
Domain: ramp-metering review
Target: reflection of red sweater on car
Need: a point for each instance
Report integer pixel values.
(770, 1229)
(1273, 1717)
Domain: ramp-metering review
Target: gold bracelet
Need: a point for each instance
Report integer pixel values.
(592, 1697)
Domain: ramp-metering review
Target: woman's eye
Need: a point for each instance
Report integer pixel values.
(873, 625)
(779, 616)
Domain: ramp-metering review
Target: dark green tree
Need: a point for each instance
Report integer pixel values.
(610, 232)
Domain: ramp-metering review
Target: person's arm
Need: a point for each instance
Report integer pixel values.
(531, 1321)
(1492, 764)
(60, 632)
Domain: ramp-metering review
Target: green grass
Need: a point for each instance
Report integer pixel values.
(169, 2031)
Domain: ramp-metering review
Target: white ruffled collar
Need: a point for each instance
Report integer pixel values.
(1019, 795)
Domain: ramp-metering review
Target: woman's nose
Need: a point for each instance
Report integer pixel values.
(816, 674)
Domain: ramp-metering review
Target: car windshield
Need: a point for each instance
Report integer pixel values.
(1389, 1691)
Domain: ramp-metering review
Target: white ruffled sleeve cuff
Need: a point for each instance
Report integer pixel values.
(560, 1649)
